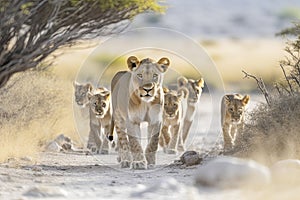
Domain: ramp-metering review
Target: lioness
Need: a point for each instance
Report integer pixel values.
(194, 88)
(233, 117)
(172, 119)
(100, 118)
(137, 96)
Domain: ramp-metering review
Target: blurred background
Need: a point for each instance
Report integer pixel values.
(231, 35)
(236, 34)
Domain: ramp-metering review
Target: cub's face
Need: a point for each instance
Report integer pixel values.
(172, 101)
(147, 76)
(81, 93)
(236, 106)
(194, 87)
(100, 103)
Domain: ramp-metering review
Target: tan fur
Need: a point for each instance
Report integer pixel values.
(81, 93)
(100, 118)
(233, 118)
(137, 97)
(172, 120)
(194, 88)
(84, 98)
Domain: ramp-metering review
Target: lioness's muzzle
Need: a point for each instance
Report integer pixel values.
(147, 88)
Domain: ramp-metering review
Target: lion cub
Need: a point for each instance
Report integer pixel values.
(233, 117)
(194, 88)
(172, 119)
(100, 117)
(81, 93)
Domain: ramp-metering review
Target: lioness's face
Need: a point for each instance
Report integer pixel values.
(194, 87)
(99, 103)
(236, 107)
(81, 93)
(147, 76)
(172, 101)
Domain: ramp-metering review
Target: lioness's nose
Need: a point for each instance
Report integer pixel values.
(148, 87)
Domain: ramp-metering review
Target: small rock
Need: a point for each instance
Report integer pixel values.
(229, 172)
(190, 158)
(42, 192)
(53, 147)
(26, 159)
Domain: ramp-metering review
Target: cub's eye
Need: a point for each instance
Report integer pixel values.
(197, 91)
(140, 76)
(231, 109)
(103, 104)
(155, 76)
(95, 103)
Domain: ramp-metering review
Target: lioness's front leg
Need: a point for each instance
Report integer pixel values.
(153, 133)
(138, 158)
(124, 154)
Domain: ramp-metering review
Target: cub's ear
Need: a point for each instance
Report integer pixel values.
(90, 95)
(226, 99)
(200, 82)
(106, 94)
(246, 99)
(75, 83)
(165, 89)
(184, 92)
(132, 63)
(181, 81)
(90, 87)
(164, 64)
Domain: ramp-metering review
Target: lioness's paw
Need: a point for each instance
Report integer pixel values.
(138, 165)
(171, 151)
(125, 164)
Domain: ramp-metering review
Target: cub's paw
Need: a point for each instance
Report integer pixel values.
(171, 151)
(138, 165)
(151, 166)
(125, 164)
(104, 151)
(180, 148)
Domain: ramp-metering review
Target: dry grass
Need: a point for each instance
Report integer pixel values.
(34, 108)
(273, 133)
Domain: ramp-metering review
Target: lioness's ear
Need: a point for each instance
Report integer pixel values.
(165, 89)
(181, 81)
(246, 99)
(200, 82)
(164, 64)
(132, 63)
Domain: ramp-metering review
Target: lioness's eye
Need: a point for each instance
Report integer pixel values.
(155, 76)
(140, 75)
(103, 104)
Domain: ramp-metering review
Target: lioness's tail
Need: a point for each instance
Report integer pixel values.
(111, 131)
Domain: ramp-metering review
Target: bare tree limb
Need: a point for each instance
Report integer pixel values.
(31, 30)
(261, 86)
